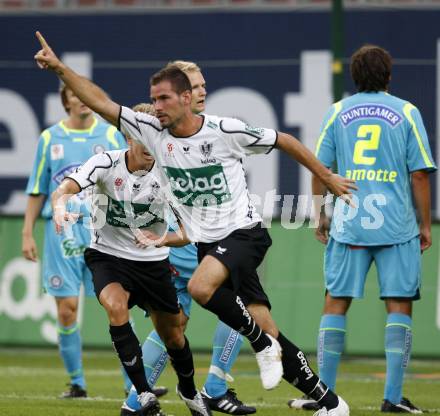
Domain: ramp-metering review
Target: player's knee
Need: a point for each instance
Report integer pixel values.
(174, 339)
(172, 336)
(117, 310)
(199, 292)
(66, 314)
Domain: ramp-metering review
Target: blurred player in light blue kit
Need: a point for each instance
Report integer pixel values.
(227, 342)
(62, 148)
(379, 141)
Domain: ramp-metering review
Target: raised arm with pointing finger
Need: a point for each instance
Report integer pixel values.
(185, 124)
(88, 92)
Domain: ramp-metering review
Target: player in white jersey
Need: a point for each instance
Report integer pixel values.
(201, 156)
(126, 197)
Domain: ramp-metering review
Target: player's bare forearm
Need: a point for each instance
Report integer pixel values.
(322, 223)
(88, 92)
(33, 209)
(174, 239)
(422, 196)
(303, 155)
(65, 190)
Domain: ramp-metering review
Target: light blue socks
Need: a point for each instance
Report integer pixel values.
(70, 350)
(398, 340)
(227, 344)
(331, 340)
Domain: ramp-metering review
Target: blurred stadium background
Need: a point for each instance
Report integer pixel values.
(269, 62)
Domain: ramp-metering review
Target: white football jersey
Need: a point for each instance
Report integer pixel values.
(207, 184)
(122, 202)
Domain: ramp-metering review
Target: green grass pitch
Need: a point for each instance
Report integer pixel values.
(30, 381)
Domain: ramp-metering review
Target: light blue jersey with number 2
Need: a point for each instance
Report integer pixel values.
(377, 140)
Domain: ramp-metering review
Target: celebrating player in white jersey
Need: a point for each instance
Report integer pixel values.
(183, 260)
(126, 198)
(201, 156)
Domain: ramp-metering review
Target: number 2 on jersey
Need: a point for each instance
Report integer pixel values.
(372, 143)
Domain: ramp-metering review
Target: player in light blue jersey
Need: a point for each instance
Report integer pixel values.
(227, 342)
(61, 149)
(379, 141)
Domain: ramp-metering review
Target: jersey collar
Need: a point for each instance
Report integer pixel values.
(88, 131)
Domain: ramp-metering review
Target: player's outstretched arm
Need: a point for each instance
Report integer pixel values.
(88, 92)
(422, 198)
(338, 185)
(59, 198)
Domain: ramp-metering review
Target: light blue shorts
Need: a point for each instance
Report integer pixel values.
(64, 268)
(181, 278)
(183, 263)
(398, 269)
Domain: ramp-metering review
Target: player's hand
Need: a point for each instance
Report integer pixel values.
(63, 219)
(425, 238)
(341, 187)
(45, 57)
(146, 238)
(29, 248)
(322, 231)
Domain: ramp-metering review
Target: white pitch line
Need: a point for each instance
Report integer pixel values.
(118, 400)
(376, 409)
(176, 402)
(35, 371)
(17, 371)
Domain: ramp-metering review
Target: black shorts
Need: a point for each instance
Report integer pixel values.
(149, 282)
(241, 252)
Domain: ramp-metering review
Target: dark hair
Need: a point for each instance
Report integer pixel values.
(63, 93)
(178, 79)
(371, 68)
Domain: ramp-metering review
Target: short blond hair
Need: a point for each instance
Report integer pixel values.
(185, 66)
(144, 108)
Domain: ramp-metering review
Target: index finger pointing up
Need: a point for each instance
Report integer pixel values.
(42, 40)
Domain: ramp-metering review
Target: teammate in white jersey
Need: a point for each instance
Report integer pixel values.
(61, 149)
(126, 198)
(201, 156)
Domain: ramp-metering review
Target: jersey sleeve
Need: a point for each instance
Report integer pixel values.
(326, 146)
(418, 151)
(92, 171)
(115, 138)
(246, 140)
(140, 127)
(39, 179)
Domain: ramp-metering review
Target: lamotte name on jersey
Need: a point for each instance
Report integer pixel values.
(122, 202)
(204, 171)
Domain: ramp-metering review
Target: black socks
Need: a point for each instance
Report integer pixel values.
(130, 354)
(297, 371)
(231, 310)
(183, 364)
